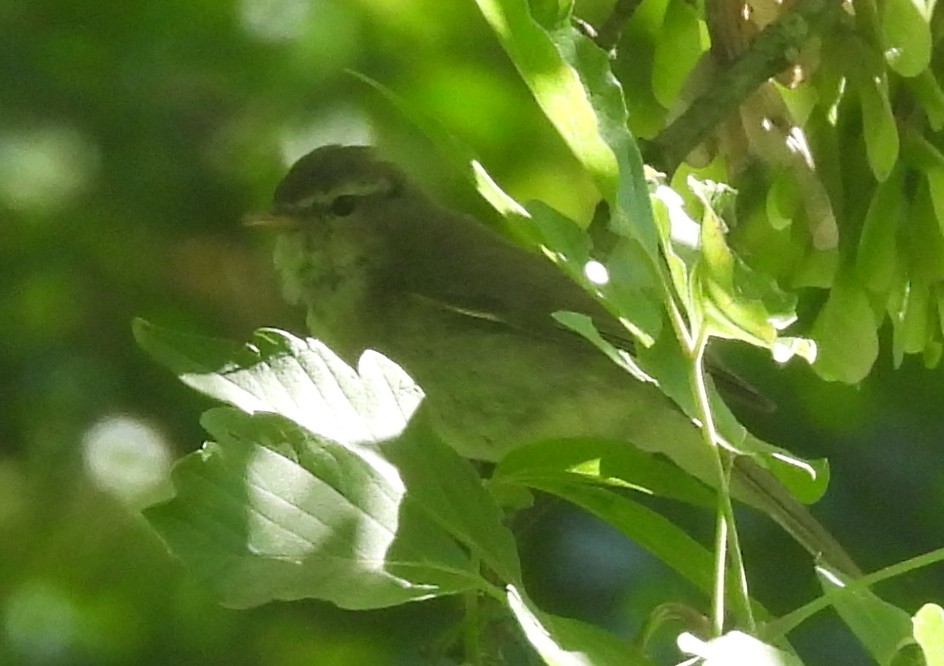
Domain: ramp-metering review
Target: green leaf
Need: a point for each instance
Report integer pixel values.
(626, 289)
(878, 247)
(929, 94)
(571, 80)
(273, 512)
(925, 238)
(911, 331)
(682, 443)
(555, 84)
(928, 625)
(783, 200)
(738, 302)
(818, 269)
(938, 290)
(879, 127)
(935, 178)
(906, 36)
(428, 492)
(881, 627)
(679, 235)
(845, 333)
(580, 471)
(678, 48)
(562, 641)
(446, 488)
(669, 543)
(601, 462)
(300, 379)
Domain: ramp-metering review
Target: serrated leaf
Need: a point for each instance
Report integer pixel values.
(298, 393)
(878, 247)
(272, 512)
(300, 379)
(738, 302)
(928, 626)
(906, 36)
(845, 333)
(679, 234)
(881, 627)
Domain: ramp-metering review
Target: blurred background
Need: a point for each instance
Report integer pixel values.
(134, 136)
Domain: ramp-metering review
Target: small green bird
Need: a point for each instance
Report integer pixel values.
(467, 313)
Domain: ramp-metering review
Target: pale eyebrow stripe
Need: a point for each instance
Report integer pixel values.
(357, 189)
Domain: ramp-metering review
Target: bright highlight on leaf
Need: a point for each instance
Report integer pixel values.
(735, 649)
(928, 625)
(906, 34)
(273, 508)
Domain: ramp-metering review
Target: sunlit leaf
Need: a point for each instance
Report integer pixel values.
(906, 35)
(385, 467)
(571, 79)
(736, 647)
(272, 512)
(928, 625)
(562, 641)
(740, 303)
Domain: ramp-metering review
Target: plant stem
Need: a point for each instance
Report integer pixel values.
(726, 534)
(766, 56)
(787, 623)
(609, 34)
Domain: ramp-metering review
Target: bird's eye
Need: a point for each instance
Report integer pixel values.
(343, 205)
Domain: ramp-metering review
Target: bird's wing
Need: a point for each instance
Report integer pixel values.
(494, 280)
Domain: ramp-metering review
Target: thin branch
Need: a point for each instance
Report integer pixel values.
(765, 57)
(609, 34)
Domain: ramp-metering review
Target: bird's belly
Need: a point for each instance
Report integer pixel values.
(491, 388)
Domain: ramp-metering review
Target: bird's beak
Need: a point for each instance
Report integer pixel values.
(270, 220)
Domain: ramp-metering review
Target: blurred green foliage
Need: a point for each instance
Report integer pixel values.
(133, 138)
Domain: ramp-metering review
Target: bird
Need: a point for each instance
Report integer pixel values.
(378, 264)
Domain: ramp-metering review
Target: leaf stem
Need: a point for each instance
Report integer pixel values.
(787, 623)
(726, 531)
